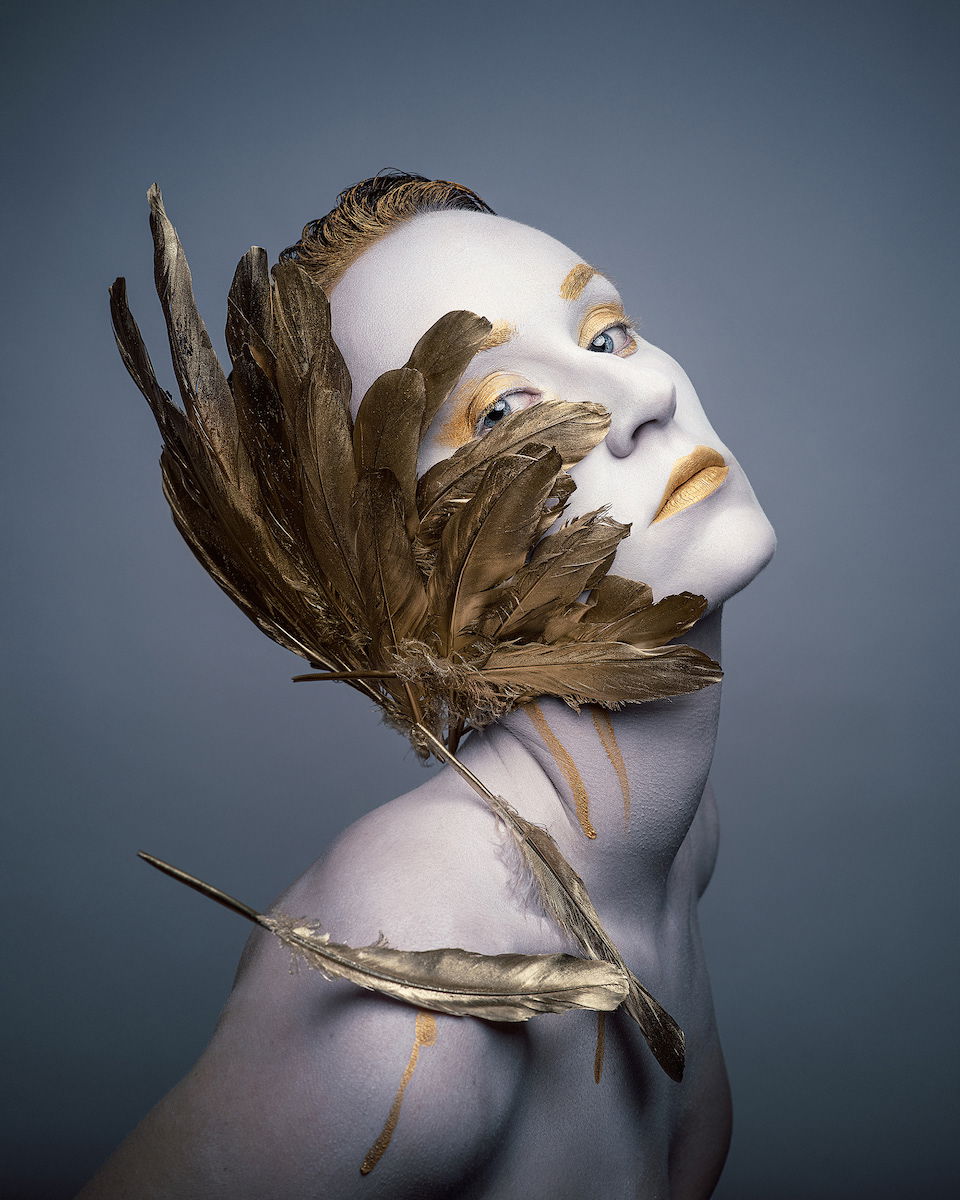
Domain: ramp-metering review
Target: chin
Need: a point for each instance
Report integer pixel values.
(748, 546)
(713, 554)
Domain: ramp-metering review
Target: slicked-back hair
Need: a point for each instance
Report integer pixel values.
(367, 211)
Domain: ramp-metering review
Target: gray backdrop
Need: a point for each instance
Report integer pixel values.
(774, 188)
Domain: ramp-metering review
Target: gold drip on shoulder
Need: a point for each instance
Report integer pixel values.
(568, 767)
(425, 1035)
(608, 738)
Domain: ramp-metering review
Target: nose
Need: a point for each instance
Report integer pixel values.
(649, 396)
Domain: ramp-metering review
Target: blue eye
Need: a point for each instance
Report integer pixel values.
(603, 343)
(504, 406)
(495, 413)
(615, 339)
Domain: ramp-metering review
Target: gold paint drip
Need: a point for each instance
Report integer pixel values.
(568, 767)
(601, 1043)
(608, 738)
(426, 1035)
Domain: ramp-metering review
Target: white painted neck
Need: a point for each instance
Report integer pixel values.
(633, 778)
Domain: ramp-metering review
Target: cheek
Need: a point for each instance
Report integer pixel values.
(628, 487)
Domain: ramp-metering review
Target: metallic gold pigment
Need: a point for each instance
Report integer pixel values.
(471, 399)
(608, 738)
(575, 280)
(500, 333)
(693, 478)
(562, 758)
(601, 317)
(601, 1043)
(426, 1035)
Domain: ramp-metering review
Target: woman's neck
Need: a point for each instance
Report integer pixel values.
(618, 790)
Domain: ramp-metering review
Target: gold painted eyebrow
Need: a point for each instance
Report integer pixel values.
(575, 280)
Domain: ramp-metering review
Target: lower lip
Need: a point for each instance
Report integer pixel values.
(697, 488)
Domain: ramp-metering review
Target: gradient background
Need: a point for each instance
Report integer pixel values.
(774, 187)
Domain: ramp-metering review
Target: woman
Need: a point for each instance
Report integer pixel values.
(299, 1092)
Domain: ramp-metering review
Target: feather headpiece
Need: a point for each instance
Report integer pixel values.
(450, 598)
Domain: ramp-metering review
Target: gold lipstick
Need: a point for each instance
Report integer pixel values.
(693, 478)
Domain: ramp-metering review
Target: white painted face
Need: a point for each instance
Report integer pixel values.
(578, 348)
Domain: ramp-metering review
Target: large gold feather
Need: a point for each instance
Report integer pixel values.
(449, 599)
(497, 987)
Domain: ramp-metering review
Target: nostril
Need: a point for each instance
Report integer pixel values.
(651, 400)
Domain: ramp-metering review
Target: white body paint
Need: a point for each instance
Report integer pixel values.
(301, 1073)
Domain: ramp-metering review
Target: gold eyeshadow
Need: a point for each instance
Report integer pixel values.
(601, 317)
(471, 399)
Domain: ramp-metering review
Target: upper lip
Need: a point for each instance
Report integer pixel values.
(686, 467)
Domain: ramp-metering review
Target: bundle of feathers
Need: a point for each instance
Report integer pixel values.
(450, 598)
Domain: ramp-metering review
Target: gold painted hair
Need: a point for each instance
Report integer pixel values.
(368, 210)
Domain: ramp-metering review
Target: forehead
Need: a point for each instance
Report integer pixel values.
(433, 264)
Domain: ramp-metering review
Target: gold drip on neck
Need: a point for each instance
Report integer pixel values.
(568, 767)
(608, 738)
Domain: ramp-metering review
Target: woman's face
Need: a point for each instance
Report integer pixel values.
(561, 331)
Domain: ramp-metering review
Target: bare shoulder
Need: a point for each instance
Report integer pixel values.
(432, 868)
(306, 1079)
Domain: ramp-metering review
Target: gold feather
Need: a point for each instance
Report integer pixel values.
(562, 566)
(623, 611)
(443, 354)
(488, 540)
(496, 987)
(608, 673)
(573, 430)
(386, 433)
(392, 584)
